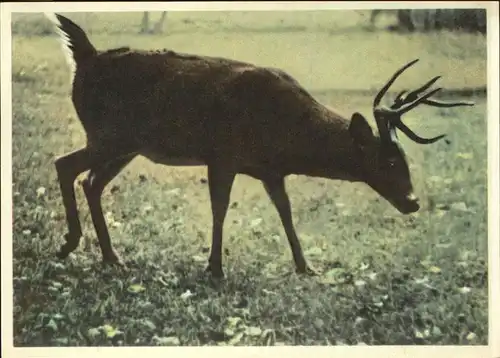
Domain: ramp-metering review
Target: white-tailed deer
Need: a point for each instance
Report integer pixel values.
(231, 116)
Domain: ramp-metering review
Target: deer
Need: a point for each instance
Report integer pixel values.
(232, 117)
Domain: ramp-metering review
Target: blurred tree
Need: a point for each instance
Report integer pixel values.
(471, 20)
(157, 28)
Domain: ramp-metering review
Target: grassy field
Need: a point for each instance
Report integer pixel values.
(386, 278)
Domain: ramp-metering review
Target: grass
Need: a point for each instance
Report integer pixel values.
(387, 278)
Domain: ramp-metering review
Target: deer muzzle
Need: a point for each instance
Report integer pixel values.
(408, 205)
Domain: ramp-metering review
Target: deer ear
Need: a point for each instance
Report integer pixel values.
(360, 130)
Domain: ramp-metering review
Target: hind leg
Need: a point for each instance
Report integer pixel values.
(93, 186)
(68, 167)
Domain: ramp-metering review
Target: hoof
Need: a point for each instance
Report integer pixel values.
(118, 265)
(62, 253)
(113, 259)
(70, 246)
(307, 271)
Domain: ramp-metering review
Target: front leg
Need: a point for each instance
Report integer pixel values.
(275, 188)
(220, 181)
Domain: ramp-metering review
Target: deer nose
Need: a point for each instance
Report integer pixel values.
(412, 198)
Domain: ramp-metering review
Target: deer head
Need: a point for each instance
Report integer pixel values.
(383, 163)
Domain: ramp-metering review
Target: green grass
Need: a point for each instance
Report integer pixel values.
(387, 278)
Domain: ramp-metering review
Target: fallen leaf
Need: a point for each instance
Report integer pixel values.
(460, 206)
(318, 323)
(93, 332)
(147, 209)
(443, 246)
(229, 332)
(465, 155)
(359, 283)
(109, 330)
(440, 213)
(267, 292)
(253, 331)
(57, 265)
(471, 336)
(358, 320)
(436, 331)
(149, 324)
(175, 191)
(464, 289)
(255, 222)
(58, 316)
(233, 321)
(421, 280)
(40, 191)
(199, 258)
(62, 341)
(236, 339)
(434, 269)
(166, 341)
(333, 276)
(421, 335)
(135, 288)
(56, 284)
(187, 294)
(363, 266)
(269, 337)
(372, 276)
(313, 251)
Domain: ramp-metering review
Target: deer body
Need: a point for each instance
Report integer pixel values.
(233, 117)
(208, 113)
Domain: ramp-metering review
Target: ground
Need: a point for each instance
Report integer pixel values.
(386, 278)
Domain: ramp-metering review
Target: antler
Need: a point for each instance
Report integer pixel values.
(388, 119)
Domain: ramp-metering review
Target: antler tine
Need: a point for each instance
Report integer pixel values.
(384, 89)
(416, 92)
(415, 137)
(436, 103)
(404, 96)
(409, 106)
(401, 96)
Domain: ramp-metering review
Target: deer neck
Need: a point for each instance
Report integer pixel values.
(328, 152)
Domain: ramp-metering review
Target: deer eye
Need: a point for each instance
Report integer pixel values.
(391, 162)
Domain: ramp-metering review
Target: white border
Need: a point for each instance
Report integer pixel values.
(493, 350)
